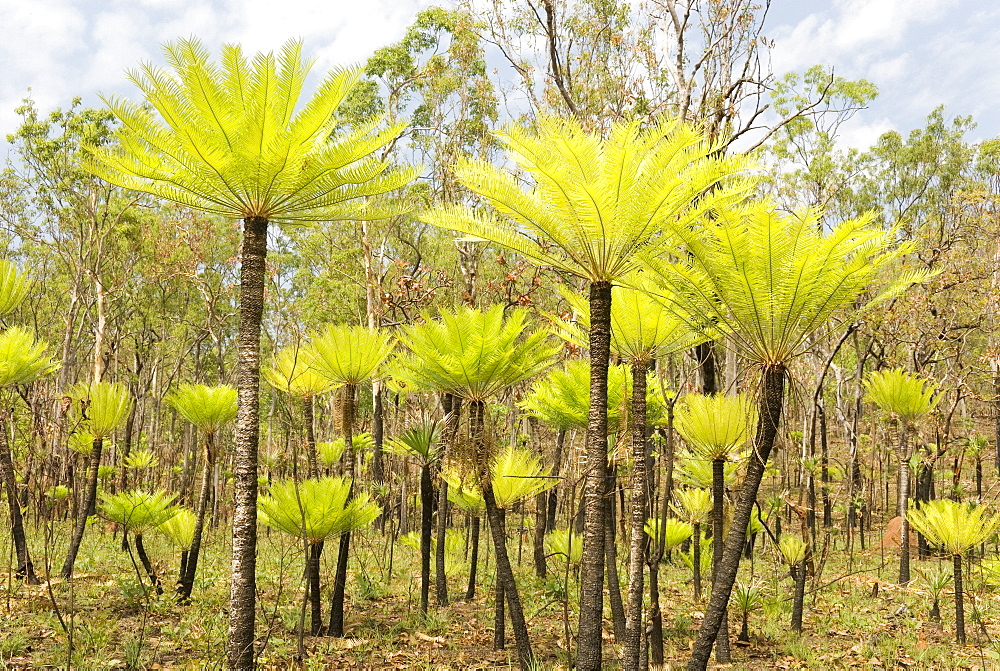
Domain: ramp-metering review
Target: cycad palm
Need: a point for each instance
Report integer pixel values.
(714, 426)
(22, 360)
(641, 330)
(770, 282)
(955, 528)
(348, 356)
(232, 138)
(592, 205)
(314, 510)
(474, 355)
(420, 443)
(139, 511)
(516, 474)
(209, 409)
(905, 397)
(101, 408)
(292, 374)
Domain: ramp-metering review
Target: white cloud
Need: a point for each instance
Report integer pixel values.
(67, 48)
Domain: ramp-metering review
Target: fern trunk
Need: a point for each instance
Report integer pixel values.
(243, 587)
(589, 648)
(25, 567)
(771, 402)
(722, 651)
(639, 512)
(186, 586)
(336, 627)
(86, 508)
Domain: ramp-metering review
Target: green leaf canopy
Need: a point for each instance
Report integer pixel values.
(473, 354)
(232, 138)
(316, 509)
(771, 280)
(208, 408)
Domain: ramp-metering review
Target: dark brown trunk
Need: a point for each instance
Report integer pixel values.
(426, 528)
(191, 566)
(614, 584)
(722, 652)
(452, 406)
(499, 619)
(470, 593)
(146, 564)
(550, 519)
(800, 592)
(638, 540)
(86, 508)
(336, 627)
(696, 558)
(243, 587)
(505, 574)
(312, 578)
(25, 567)
(505, 578)
(771, 400)
(589, 648)
(538, 546)
(959, 600)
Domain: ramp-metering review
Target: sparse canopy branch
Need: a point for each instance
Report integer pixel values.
(232, 138)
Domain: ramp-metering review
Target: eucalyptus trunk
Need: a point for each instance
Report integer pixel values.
(771, 401)
(589, 648)
(86, 508)
(800, 592)
(538, 545)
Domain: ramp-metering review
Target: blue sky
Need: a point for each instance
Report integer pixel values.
(920, 53)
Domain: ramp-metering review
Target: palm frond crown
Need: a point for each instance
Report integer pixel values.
(771, 280)
(592, 203)
(232, 138)
(900, 393)
(208, 408)
(472, 353)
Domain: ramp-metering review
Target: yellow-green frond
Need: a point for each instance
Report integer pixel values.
(208, 408)
(715, 425)
(348, 354)
(900, 393)
(953, 526)
(22, 359)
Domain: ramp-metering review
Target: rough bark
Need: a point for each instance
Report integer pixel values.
(589, 648)
(86, 508)
(959, 600)
(470, 593)
(243, 588)
(140, 549)
(426, 527)
(505, 574)
(191, 566)
(723, 655)
(638, 540)
(771, 400)
(336, 627)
